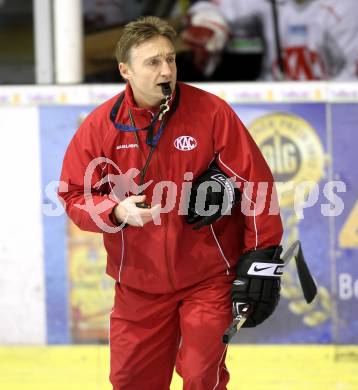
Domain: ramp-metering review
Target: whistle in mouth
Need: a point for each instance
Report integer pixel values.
(167, 91)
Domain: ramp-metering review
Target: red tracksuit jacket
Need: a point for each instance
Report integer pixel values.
(170, 256)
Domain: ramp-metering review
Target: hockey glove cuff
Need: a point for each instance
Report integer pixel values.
(212, 195)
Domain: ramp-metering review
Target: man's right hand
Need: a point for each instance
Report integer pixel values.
(127, 211)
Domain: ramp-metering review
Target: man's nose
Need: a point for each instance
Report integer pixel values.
(166, 70)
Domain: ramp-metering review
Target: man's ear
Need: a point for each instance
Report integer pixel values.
(124, 70)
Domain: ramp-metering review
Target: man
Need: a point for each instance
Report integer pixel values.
(174, 283)
(316, 39)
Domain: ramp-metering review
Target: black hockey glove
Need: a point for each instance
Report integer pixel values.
(258, 283)
(212, 195)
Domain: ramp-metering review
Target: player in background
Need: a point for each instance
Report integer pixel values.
(316, 39)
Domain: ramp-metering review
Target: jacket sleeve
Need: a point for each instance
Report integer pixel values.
(240, 158)
(83, 191)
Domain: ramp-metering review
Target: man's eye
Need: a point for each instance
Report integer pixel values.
(170, 60)
(154, 62)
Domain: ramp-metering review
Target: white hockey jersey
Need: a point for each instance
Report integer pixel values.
(319, 38)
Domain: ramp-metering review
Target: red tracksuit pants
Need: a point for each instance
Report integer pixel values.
(152, 333)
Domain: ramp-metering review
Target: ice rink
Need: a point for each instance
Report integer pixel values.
(252, 367)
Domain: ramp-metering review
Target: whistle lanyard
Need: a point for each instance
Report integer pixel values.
(151, 140)
(164, 111)
(143, 171)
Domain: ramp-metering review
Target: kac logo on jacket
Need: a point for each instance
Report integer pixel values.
(185, 143)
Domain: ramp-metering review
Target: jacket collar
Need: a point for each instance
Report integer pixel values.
(129, 99)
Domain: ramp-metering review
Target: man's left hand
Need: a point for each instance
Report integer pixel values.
(258, 284)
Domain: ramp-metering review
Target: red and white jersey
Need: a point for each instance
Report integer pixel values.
(318, 37)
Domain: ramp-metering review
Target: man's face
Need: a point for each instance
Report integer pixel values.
(150, 64)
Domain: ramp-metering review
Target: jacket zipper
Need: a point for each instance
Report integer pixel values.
(170, 275)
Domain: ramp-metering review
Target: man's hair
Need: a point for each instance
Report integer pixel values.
(140, 30)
